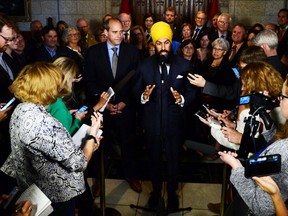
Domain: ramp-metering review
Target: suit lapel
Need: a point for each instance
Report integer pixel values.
(106, 60)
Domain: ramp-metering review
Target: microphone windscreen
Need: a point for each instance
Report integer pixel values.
(163, 59)
(197, 146)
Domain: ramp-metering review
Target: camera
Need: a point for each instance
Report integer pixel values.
(259, 103)
(257, 100)
(263, 166)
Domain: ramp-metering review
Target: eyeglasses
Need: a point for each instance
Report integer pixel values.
(218, 50)
(223, 23)
(281, 97)
(8, 39)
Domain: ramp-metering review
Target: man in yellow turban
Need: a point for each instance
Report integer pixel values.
(162, 87)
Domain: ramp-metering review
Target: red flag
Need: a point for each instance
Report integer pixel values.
(213, 9)
(125, 7)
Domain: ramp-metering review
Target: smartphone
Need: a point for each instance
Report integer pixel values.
(236, 72)
(201, 115)
(263, 166)
(13, 196)
(7, 104)
(82, 109)
(215, 114)
(99, 133)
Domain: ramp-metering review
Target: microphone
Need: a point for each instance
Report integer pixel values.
(163, 60)
(197, 146)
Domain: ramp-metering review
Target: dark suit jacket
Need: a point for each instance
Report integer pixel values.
(236, 57)
(98, 72)
(214, 35)
(278, 65)
(204, 30)
(41, 54)
(283, 45)
(148, 74)
(5, 82)
(13, 64)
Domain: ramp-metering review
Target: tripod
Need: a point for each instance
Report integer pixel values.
(104, 211)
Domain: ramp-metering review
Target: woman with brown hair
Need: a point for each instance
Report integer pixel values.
(187, 50)
(186, 31)
(138, 39)
(251, 197)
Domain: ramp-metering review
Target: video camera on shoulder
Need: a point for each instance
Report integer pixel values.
(263, 166)
(257, 100)
(259, 104)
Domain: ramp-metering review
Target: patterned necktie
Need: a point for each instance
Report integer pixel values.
(114, 61)
(195, 34)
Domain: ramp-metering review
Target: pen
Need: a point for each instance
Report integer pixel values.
(18, 208)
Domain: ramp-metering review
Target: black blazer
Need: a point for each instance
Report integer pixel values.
(235, 60)
(98, 73)
(282, 48)
(214, 35)
(148, 74)
(41, 54)
(204, 30)
(5, 82)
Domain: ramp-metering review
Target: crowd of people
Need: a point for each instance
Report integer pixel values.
(161, 74)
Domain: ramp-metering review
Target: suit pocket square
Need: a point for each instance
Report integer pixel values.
(179, 77)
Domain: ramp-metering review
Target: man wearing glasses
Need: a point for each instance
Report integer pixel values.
(223, 24)
(87, 39)
(200, 27)
(6, 79)
(126, 22)
(6, 75)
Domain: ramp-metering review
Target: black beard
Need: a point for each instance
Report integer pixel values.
(164, 58)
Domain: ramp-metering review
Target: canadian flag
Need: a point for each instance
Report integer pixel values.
(213, 9)
(125, 7)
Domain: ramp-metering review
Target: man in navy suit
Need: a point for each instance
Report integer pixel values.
(162, 88)
(238, 44)
(49, 50)
(223, 23)
(119, 115)
(200, 27)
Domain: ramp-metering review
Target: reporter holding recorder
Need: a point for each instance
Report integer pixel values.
(42, 149)
(251, 196)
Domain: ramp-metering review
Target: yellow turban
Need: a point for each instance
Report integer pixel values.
(161, 30)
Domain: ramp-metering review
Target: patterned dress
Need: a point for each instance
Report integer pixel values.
(43, 153)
